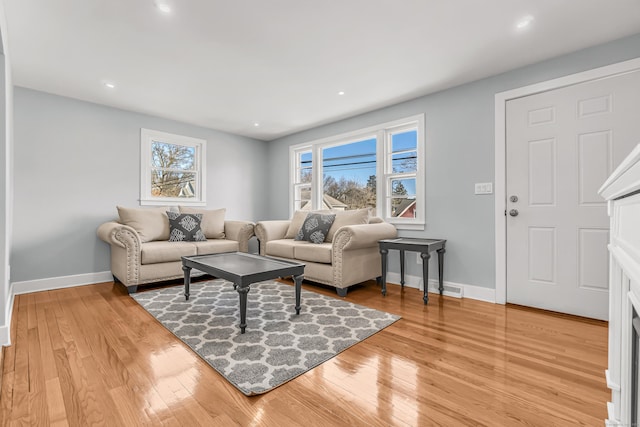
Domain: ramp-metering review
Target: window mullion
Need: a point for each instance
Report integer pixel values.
(317, 187)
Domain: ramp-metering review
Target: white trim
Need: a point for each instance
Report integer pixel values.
(475, 292)
(610, 383)
(5, 329)
(62, 282)
(620, 182)
(500, 152)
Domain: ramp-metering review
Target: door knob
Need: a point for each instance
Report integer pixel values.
(513, 212)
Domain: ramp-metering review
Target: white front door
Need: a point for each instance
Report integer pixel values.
(561, 146)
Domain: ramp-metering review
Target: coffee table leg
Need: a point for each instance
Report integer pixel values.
(425, 275)
(242, 292)
(187, 281)
(383, 257)
(298, 282)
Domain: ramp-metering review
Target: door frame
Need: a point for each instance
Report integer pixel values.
(501, 99)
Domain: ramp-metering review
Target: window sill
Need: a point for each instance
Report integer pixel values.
(404, 226)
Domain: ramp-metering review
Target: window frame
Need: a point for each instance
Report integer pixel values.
(297, 183)
(147, 137)
(384, 173)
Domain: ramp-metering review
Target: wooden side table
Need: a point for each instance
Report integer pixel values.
(425, 247)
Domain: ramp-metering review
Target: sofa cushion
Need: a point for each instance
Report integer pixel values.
(185, 227)
(216, 246)
(343, 218)
(282, 248)
(212, 221)
(313, 252)
(157, 252)
(150, 223)
(296, 222)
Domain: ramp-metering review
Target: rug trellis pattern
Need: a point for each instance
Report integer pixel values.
(278, 344)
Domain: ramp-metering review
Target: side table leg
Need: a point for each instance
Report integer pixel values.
(242, 292)
(425, 275)
(441, 269)
(187, 281)
(298, 282)
(401, 268)
(383, 257)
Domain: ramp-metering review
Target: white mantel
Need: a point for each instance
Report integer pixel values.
(622, 191)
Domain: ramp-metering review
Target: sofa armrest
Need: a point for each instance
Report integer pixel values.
(120, 235)
(270, 230)
(362, 236)
(240, 231)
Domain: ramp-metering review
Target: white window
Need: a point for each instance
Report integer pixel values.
(302, 180)
(172, 169)
(381, 167)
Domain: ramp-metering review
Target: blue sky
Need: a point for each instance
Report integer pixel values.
(357, 160)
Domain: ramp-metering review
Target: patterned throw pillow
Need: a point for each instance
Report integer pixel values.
(315, 227)
(185, 227)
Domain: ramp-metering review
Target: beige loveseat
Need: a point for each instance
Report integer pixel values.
(141, 252)
(348, 256)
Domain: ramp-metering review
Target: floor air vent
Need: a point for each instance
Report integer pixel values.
(449, 290)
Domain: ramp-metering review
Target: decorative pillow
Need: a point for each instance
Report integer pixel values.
(297, 220)
(212, 221)
(315, 227)
(185, 227)
(150, 223)
(354, 217)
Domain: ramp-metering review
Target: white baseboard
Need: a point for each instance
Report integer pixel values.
(51, 283)
(465, 291)
(5, 329)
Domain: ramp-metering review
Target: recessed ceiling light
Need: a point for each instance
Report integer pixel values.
(163, 6)
(341, 92)
(109, 85)
(524, 22)
(256, 124)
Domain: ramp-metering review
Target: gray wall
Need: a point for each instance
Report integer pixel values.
(6, 147)
(460, 152)
(75, 161)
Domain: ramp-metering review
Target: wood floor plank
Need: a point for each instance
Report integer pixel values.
(45, 344)
(91, 355)
(55, 403)
(38, 409)
(20, 395)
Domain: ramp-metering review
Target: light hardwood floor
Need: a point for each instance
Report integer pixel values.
(91, 355)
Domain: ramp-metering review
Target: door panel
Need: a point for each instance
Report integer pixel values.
(561, 147)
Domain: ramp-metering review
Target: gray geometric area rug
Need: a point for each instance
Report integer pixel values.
(278, 345)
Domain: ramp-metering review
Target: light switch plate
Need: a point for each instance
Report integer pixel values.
(484, 188)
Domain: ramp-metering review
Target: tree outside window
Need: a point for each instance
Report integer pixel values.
(171, 170)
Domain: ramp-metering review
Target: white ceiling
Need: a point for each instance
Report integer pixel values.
(228, 64)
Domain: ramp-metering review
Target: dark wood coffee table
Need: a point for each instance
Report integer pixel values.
(243, 269)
